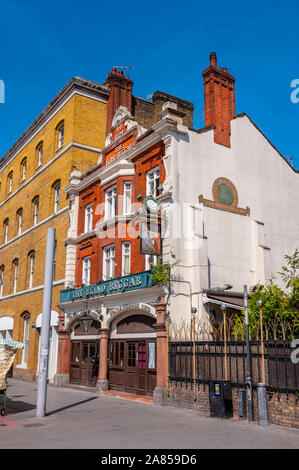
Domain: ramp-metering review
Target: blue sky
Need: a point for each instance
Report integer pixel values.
(44, 45)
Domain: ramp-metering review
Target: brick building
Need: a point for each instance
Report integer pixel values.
(212, 189)
(104, 243)
(68, 134)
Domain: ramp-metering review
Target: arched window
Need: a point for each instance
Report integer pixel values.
(23, 169)
(60, 135)
(5, 230)
(35, 207)
(15, 270)
(31, 262)
(9, 182)
(1, 280)
(19, 221)
(56, 191)
(39, 154)
(25, 338)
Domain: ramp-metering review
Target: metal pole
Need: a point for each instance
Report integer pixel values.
(225, 346)
(248, 378)
(45, 330)
(263, 374)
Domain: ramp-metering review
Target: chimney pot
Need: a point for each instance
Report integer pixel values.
(219, 94)
(213, 59)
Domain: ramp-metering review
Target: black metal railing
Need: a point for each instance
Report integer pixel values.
(200, 361)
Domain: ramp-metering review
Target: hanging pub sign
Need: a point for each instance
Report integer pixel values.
(150, 239)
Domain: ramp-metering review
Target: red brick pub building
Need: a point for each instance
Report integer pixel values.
(112, 331)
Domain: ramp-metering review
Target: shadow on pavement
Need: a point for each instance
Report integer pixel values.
(14, 406)
(71, 406)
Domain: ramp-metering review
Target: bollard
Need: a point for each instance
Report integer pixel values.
(262, 404)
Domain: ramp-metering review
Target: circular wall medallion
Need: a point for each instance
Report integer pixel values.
(224, 192)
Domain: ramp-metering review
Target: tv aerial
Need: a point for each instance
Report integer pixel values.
(124, 67)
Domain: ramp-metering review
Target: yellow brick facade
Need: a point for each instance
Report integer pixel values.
(84, 119)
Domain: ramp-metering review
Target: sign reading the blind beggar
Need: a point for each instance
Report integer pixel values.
(122, 284)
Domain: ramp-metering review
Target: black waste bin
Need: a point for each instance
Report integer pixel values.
(221, 401)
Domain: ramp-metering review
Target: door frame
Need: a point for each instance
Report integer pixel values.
(125, 371)
(78, 365)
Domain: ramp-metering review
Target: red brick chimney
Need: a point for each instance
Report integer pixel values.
(219, 94)
(120, 88)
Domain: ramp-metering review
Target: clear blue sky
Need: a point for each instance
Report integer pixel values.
(43, 45)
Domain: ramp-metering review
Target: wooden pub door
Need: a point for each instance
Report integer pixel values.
(84, 367)
(132, 366)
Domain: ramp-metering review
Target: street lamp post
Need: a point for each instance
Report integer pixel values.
(223, 308)
(261, 387)
(263, 373)
(193, 311)
(248, 378)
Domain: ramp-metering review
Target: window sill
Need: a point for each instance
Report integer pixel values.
(21, 366)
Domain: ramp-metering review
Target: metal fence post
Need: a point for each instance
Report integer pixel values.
(248, 378)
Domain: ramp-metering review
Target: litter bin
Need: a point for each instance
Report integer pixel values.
(221, 402)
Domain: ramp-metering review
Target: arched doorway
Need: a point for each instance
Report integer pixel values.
(84, 361)
(132, 354)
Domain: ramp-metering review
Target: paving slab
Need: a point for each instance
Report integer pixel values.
(85, 420)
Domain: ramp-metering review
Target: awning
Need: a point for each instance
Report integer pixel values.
(54, 319)
(230, 301)
(6, 323)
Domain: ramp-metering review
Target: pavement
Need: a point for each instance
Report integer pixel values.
(82, 419)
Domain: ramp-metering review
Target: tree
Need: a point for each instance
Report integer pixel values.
(280, 308)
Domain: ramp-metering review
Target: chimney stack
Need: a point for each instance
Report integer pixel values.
(219, 96)
(120, 88)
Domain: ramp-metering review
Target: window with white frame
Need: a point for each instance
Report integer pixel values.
(1, 280)
(108, 262)
(126, 258)
(39, 154)
(20, 220)
(10, 181)
(110, 203)
(152, 182)
(15, 275)
(5, 228)
(56, 197)
(60, 135)
(23, 169)
(35, 210)
(88, 218)
(31, 269)
(86, 268)
(25, 340)
(127, 197)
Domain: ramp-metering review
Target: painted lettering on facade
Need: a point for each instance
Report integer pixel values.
(131, 282)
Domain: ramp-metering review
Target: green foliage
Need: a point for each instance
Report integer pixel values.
(291, 270)
(280, 309)
(160, 274)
